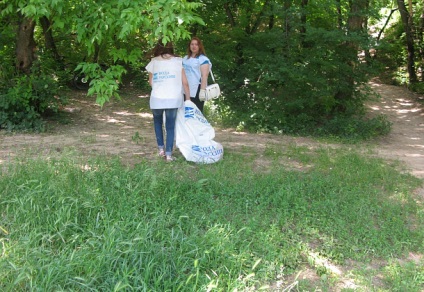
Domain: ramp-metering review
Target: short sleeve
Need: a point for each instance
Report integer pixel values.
(149, 66)
(204, 60)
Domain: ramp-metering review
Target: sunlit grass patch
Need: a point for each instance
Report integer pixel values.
(75, 224)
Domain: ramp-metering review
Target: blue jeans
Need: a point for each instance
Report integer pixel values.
(171, 115)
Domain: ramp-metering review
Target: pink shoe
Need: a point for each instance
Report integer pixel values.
(169, 158)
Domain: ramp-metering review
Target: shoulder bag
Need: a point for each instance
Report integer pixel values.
(212, 91)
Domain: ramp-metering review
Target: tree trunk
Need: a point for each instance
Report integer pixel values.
(409, 40)
(420, 35)
(25, 45)
(385, 24)
(355, 24)
(230, 15)
(259, 18)
(355, 19)
(365, 28)
(339, 15)
(303, 20)
(48, 37)
(287, 24)
(271, 21)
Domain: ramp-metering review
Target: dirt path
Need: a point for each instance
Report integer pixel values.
(125, 129)
(406, 141)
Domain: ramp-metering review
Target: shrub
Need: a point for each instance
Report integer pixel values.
(26, 100)
(355, 128)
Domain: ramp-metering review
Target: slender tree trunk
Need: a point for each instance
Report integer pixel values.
(385, 24)
(365, 28)
(420, 35)
(303, 20)
(230, 15)
(259, 18)
(271, 22)
(287, 26)
(409, 40)
(25, 45)
(339, 15)
(48, 37)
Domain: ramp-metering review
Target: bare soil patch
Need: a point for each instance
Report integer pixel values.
(405, 110)
(124, 128)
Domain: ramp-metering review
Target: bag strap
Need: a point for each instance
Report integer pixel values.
(213, 78)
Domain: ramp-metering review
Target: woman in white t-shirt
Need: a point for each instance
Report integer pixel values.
(169, 82)
(197, 67)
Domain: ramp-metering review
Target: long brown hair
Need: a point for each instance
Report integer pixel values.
(201, 47)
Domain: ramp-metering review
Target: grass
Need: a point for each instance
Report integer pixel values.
(74, 225)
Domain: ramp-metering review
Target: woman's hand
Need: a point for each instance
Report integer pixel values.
(202, 94)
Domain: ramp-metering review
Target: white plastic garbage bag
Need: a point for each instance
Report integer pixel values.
(194, 136)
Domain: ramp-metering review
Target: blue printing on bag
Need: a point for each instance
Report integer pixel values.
(192, 113)
(207, 151)
(188, 112)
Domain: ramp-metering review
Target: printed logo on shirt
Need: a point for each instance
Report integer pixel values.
(162, 76)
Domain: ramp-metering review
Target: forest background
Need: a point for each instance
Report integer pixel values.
(298, 67)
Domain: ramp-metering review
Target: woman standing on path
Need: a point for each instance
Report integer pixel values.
(168, 81)
(197, 67)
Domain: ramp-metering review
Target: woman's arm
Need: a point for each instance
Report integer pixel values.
(150, 79)
(204, 72)
(185, 85)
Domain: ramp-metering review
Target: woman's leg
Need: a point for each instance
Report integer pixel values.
(196, 100)
(158, 124)
(171, 115)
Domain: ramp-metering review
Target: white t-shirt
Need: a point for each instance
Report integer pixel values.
(192, 71)
(167, 86)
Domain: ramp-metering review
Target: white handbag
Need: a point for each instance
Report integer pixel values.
(212, 91)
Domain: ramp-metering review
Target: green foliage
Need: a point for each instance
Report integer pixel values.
(283, 66)
(7, 48)
(281, 94)
(392, 50)
(26, 99)
(292, 77)
(73, 224)
(122, 32)
(116, 34)
(354, 128)
(104, 82)
(417, 87)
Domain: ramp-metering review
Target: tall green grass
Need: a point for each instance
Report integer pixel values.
(99, 226)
